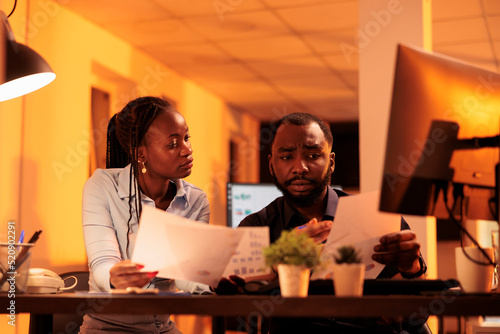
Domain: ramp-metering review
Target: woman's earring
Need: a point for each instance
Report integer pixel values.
(143, 170)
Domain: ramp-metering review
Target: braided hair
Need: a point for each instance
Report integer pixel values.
(126, 131)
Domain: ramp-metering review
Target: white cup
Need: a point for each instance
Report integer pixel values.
(472, 276)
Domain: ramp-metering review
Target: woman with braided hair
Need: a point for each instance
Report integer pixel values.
(148, 155)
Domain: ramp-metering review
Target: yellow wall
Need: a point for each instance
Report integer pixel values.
(44, 142)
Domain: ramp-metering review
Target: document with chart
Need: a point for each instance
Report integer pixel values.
(184, 249)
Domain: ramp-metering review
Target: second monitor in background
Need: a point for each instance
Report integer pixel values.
(246, 198)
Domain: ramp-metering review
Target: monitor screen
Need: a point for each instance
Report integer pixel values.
(443, 135)
(246, 198)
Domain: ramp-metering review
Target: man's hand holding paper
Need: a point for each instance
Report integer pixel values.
(358, 222)
(400, 249)
(319, 231)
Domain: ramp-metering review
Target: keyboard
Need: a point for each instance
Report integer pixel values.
(371, 287)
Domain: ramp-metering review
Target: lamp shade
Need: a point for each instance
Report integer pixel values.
(26, 71)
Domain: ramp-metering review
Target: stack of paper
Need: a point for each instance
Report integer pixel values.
(180, 248)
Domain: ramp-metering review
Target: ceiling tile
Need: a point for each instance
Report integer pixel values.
(189, 55)
(326, 86)
(322, 17)
(351, 79)
(217, 73)
(491, 7)
(338, 110)
(156, 33)
(343, 64)
(239, 26)
(496, 48)
(110, 11)
(273, 110)
(331, 41)
(221, 9)
(494, 27)
(267, 48)
(347, 70)
(241, 91)
(449, 9)
(459, 31)
(478, 54)
(261, 55)
(294, 3)
(290, 67)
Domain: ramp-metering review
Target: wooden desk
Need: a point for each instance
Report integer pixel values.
(41, 307)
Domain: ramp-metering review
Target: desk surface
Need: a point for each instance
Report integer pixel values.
(442, 304)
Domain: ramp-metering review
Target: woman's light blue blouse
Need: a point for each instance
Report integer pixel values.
(106, 213)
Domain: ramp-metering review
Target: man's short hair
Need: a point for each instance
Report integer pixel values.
(301, 118)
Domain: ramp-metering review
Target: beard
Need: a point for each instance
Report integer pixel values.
(303, 201)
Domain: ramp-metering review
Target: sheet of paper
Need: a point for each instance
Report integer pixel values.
(358, 222)
(248, 259)
(184, 249)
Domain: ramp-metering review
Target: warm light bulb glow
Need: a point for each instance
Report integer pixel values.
(25, 85)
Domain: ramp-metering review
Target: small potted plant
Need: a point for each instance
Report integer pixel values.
(348, 272)
(294, 255)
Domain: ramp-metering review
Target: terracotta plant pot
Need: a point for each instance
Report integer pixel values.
(348, 279)
(294, 280)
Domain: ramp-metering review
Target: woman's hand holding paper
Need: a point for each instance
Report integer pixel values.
(126, 274)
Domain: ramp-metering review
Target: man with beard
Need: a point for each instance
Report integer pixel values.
(301, 163)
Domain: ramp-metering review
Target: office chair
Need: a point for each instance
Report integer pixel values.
(70, 323)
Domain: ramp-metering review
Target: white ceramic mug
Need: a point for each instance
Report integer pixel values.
(472, 276)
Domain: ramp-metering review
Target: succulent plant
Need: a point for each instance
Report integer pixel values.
(347, 254)
(293, 248)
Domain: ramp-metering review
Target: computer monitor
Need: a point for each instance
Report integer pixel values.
(246, 198)
(442, 140)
